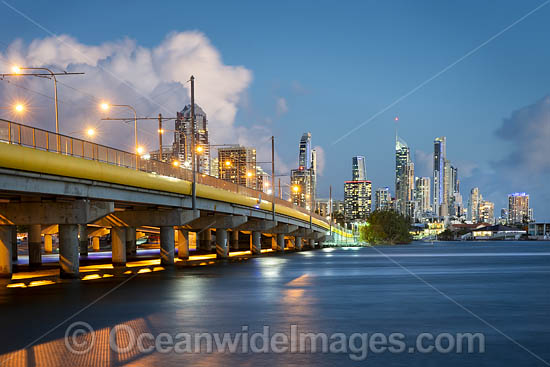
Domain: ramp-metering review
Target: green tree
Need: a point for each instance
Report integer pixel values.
(386, 227)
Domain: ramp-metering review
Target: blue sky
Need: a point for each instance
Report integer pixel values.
(338, 63)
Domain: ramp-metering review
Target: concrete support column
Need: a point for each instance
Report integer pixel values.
(167, 245)
(14, 243)
(130, 242)
(5, 251)
(222, 250)
(118, 245)
(83, 239)
(256, 243)
(48, 243)
(183, 244)
(95, 243)
(312, 243)
(205, 240)
(280, 244)
(234, 240)
(68, 250)
(35, 245)
(274, 242)
(298, 243)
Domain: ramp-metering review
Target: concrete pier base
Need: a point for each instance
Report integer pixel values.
(167, 245)
(312, 243)
(130, 242)
(83, 239)
(298, 243)
(48, 243)
(280, 243)
(68, 251)
(205, 240)
(256, 243)
(95, 243)
(5, 251)
(222, 250)
(118, 244)
(14, 254)
(35, 245)
(183, 244)
(234, 242)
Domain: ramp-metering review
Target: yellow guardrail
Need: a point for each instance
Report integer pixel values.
(36, 150)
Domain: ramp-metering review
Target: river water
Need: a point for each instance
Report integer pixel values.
(365, 298)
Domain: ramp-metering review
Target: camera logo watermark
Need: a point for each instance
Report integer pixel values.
(80, 337)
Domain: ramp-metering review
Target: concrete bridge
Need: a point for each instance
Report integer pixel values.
(56, 184)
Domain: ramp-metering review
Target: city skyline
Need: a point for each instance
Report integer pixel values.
(266, 101)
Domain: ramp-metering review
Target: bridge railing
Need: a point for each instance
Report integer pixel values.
(15, 133)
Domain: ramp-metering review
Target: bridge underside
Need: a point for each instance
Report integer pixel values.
(80, 211)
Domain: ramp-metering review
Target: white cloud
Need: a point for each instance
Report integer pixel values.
(320, 160)
(151, 79)
(282, 106)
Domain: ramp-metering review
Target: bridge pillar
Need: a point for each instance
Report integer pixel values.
(312, 243)
(222, 250)
(95, 243)
(167, 245)
(48, 244)
(118, 245)
(183, 244)
(280, 243)
(235, 240)
(130, 242)
(5, 251)
(34, 241)
(298, 243)
(83, 239)
(68, 250)
(256, 243)
(205, 241)
(13, 242)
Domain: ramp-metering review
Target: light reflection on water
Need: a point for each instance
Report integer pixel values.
(353, 290)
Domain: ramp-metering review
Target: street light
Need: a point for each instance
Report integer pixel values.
(17, 108)
(90, 132)
(106, 106)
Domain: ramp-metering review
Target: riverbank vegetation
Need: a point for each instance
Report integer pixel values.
(386, 227)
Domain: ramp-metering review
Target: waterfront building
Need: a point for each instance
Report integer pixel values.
(383, 199)
(422, 195)
(359, 168)
(357, 200)
(473, 205)
(303, 180)
(486, 212)
(439, 187)
(237, 164)
(183, 136)
(518, 208)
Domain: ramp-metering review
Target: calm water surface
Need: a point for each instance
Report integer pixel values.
(500, 289)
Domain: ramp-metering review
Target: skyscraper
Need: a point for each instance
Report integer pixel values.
(303, 179)
(238, 165)
(487, 212)
(383, 199)
(404, 175)
(473, 205)
(439, 189)
(183, 136)
(423, 197)
(518, 208)
(357, 200)
(359, 168)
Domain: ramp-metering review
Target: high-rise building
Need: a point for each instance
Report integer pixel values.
(404, 175)
(304, 179)
(183, 136)
(383, 199)
(359, 168)
(518, 208)
(422, 195)
(473, 205)
(357, 200)
(503, 216)
(237, 164)
(439, 189)
(487, 212)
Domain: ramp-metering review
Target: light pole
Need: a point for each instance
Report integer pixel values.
(106, 106)
(193, 155)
